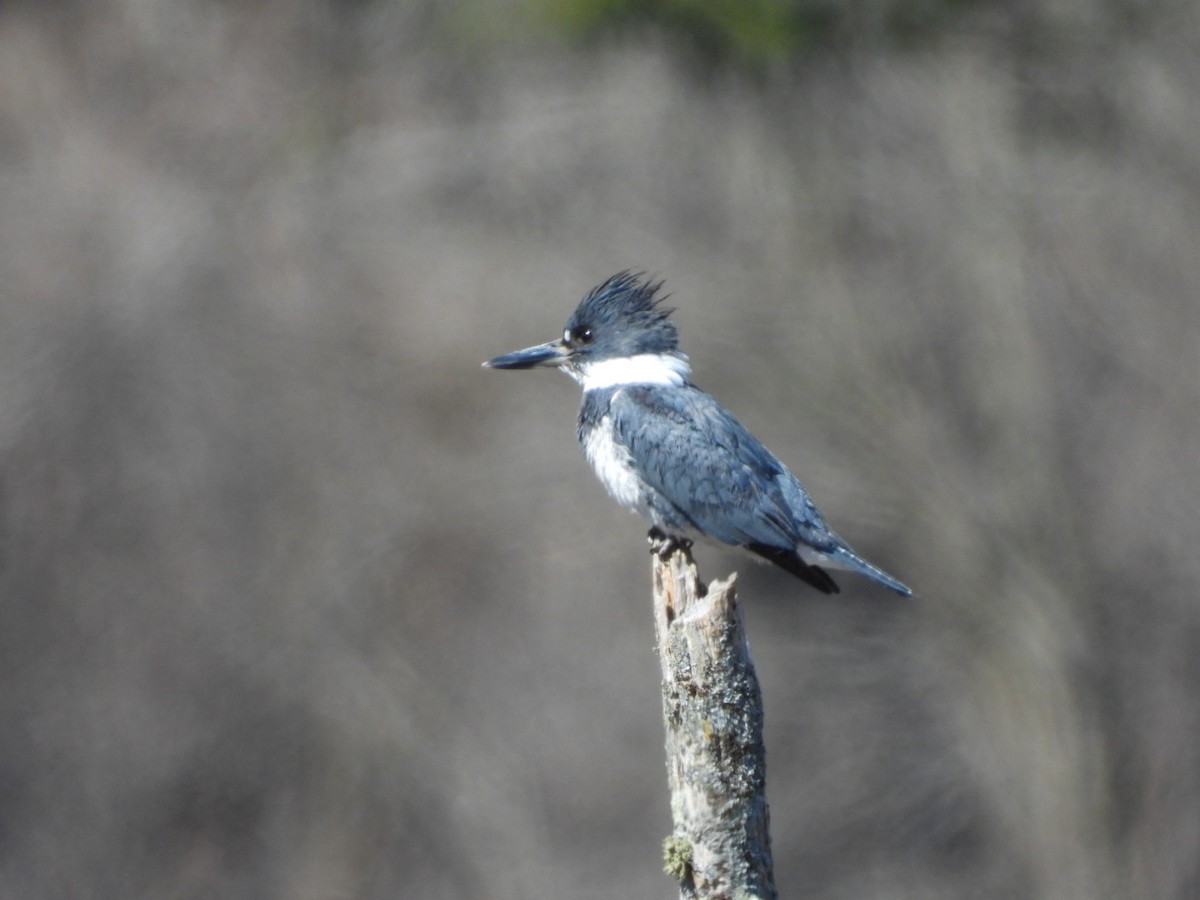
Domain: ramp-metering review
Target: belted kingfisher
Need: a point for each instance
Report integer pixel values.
(667, 450)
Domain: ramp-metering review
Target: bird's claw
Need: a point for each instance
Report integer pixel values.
(663, 545)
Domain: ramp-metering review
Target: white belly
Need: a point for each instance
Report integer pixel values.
(612, 465)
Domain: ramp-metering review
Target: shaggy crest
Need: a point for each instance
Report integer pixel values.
(628, 303)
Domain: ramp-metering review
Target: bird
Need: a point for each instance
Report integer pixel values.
(668, 450)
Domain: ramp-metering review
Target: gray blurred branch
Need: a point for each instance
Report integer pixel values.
(712, 710)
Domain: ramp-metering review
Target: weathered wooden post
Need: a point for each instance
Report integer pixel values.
(712, 710)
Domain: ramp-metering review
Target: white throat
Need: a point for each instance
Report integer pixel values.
(645, 368)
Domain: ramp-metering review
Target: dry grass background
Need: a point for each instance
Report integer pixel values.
(299, 602)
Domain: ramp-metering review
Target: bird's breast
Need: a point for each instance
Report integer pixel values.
(613, 465)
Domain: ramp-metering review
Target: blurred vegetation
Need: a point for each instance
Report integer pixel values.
(757, 33)
(297, 601)
(755, 36)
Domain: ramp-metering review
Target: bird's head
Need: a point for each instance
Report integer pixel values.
(619, 334)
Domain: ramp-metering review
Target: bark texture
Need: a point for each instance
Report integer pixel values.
(712, 708)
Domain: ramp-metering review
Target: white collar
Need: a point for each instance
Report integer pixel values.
(645, 368)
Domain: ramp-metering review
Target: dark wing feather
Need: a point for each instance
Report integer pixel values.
(790, 561)
(731, 488)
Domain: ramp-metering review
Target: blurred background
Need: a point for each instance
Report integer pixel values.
(299, 602)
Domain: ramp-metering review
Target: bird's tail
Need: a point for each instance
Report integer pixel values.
(790, 561)
(845, 558)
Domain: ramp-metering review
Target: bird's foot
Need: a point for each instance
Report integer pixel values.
(663, 545)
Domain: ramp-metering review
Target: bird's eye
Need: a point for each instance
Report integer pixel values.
(581, 335)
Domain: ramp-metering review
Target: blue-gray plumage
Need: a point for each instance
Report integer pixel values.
(664, 448)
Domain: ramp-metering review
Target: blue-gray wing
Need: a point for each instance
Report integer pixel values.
(714, 473)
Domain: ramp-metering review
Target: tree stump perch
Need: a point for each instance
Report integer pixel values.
(712, 711)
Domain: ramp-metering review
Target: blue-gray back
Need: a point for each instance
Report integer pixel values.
(691, 450)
